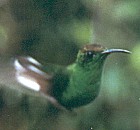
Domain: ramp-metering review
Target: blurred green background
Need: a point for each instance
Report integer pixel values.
(53, 31)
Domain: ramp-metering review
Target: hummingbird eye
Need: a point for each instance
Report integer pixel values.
(90, 54)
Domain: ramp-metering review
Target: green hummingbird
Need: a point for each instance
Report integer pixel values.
(66, 87)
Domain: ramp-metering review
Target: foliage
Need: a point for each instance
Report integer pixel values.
(53, 30)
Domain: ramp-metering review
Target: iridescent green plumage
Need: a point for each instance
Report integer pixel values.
(79, 83)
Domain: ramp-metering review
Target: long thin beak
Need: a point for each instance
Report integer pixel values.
(115, 50)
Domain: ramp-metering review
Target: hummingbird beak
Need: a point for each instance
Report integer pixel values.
(109, 51)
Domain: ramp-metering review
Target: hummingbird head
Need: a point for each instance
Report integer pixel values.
(95, 53)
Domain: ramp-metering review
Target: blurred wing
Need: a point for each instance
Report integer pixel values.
(29, 74)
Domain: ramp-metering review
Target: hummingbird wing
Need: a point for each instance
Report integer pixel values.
(26, 75)
(29, 73)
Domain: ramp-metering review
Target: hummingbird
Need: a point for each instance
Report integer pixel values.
(66, 87)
